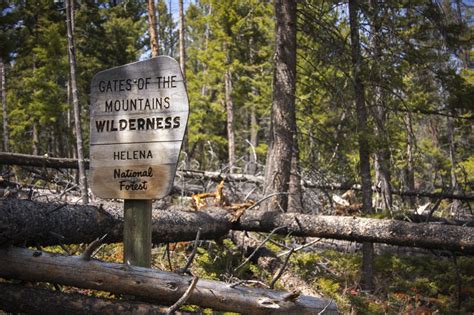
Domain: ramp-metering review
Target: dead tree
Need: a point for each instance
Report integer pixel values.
(25, 222)
(165, 287)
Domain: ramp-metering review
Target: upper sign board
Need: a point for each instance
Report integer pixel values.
(139, 114)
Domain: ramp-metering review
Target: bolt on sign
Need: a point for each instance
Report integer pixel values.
(139, 114)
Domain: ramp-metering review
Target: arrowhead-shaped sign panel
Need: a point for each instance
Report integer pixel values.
(139, 114)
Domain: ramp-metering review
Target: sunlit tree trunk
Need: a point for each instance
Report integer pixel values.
(182, 48)
(253, 140)
(229, 104)
(283, 120)
(152, 28)
(363, 132)
(75, 101)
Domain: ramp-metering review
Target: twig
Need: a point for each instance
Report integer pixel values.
(292, 296)
(60, 238)
(240, 282)
(259, 246)
(91, 248)
(300, 247)
(173, 308)
(325, 308)
(168, 255)
(265, 198)
(193, 253)
(282, 269)
(274, 242)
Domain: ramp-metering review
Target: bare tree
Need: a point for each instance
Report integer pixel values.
(283, 119)
(75, 101)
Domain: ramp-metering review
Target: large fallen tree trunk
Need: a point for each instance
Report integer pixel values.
(16, 298)
(31, 223)
(25, 222)
(166, 287)
(7, 158)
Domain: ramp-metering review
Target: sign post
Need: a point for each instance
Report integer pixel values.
(139, 114)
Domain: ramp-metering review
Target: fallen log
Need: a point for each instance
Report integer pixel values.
(16, 298)
(166, 287)
(7, 158)
(424, 235)
(24, 222)
(30, 223)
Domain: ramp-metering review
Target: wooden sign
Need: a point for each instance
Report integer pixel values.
(139, 114)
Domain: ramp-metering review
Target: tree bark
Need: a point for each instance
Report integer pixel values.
(152, 28)
(229, 105)
(3, 91)
(166, 287)
(253, 139)
(452, 159)
(29, 223)
(295, 198)
(363, 132)
(75, 101)
(182, 47)
(410, 168)
(22, 299)
(283, 119)
(35, 138)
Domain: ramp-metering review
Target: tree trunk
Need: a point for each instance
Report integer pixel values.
(31, 223)
(410, 168)
(382, 154)
(22, 299)
(35, 138)
(182, 64)
(283, 119)
(295, 198)
(452, 158)
(3, 91)
(229, 105)
(253, 140)
(166, 287)
(152, 28)
(75, 101)
(363, 132)
(182, 49)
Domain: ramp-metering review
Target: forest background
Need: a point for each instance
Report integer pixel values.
(417, 69)
(416, 66)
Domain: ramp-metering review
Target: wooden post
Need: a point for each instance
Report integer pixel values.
(137, 232)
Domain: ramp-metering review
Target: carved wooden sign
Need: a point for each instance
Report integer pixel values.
(139, 114)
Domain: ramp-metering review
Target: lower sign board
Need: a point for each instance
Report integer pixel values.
(139, 114)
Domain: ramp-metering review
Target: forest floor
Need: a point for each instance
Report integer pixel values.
(405, 283)
(407, 280)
